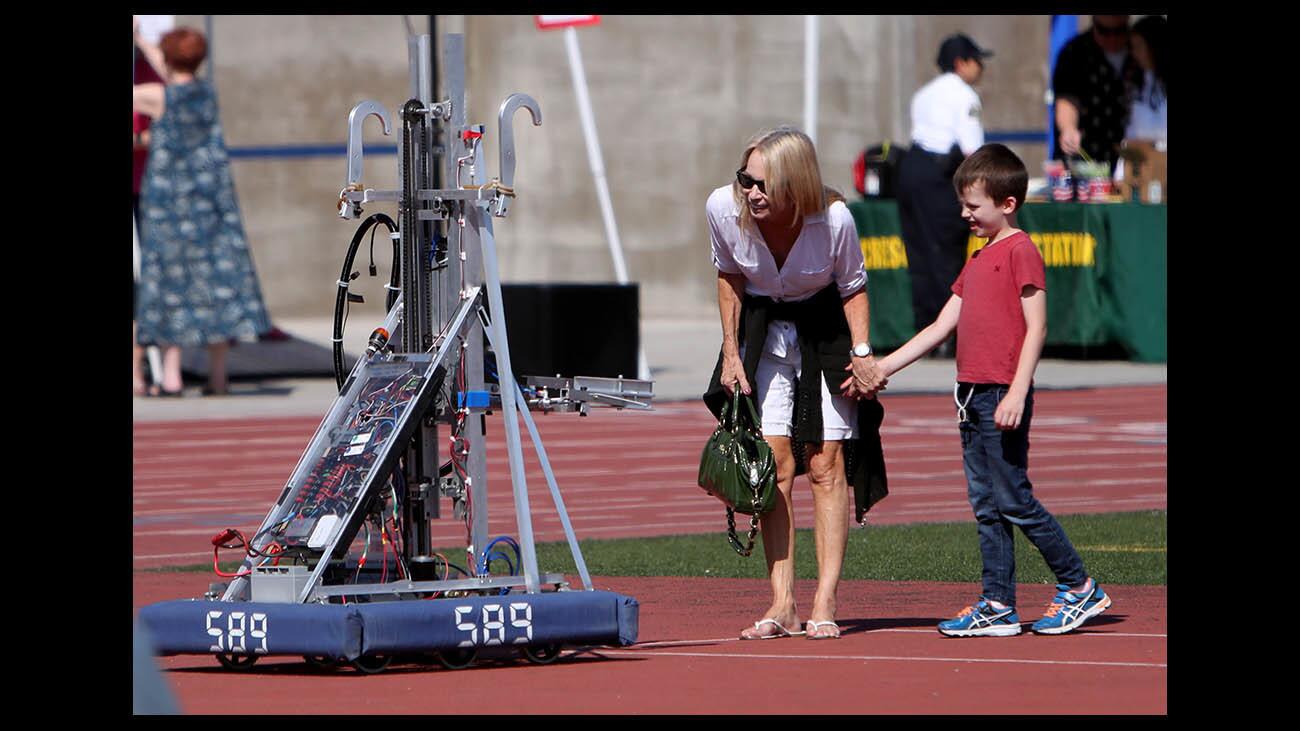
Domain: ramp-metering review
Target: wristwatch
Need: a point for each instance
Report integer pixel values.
(861, 350)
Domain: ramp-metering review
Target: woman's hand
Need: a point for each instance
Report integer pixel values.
(733, 371)
(867, 378)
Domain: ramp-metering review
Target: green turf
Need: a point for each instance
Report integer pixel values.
(1117, 548)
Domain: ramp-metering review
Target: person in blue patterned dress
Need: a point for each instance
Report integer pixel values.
(198, 287)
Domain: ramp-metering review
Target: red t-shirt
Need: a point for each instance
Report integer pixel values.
(991, 328)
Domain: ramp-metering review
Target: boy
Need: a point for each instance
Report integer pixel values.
(999, 310)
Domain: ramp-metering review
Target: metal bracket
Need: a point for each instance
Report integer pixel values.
(580, 393)
(505, 127)
(356, 119)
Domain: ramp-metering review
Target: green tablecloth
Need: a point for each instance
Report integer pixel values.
(1106, 273)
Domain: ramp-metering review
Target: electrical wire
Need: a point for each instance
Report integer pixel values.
(342, 301)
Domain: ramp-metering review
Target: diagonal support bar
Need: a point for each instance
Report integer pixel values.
(505, 375)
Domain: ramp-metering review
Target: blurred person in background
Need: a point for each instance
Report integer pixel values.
(793, 302)
(946, 128)
(197, 283)
(142, 72)
(1149, 116)
(1091, 83)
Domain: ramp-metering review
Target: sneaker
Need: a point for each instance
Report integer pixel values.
(982, 620)
(1069, 611)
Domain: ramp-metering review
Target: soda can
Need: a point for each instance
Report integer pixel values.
(1063, 187)
(1082, 190)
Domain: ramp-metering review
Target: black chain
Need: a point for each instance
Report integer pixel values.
(732, 538)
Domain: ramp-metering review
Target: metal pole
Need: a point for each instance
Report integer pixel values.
(811, 42)
(598, 174)
(560, 510)
(509, 400)
(212, 57)
(465, 240)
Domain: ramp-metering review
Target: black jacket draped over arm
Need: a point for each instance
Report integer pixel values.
(824, 343)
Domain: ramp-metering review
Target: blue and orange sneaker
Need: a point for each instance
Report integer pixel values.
(1068, 610)
(982, 620)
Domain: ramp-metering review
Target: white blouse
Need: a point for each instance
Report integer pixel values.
(1148, 121)
(827, 250)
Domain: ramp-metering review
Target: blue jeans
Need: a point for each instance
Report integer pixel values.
(1001, 495)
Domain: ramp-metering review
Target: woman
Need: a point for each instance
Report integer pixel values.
(197, 284)
(1149, 118)
(793, 302)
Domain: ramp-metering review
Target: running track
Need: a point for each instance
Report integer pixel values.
(626, 474)
(1093, 451)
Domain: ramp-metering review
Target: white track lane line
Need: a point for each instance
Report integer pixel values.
(886, 658)
(671, 643)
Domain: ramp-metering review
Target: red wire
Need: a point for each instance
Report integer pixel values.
(272, 549)
(218, 569)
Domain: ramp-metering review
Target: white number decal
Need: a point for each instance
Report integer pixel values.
(526, 622)
(462, 626)
(259, 633)
(214, 632)
(490, 624)
(232, 639)
(234, 633)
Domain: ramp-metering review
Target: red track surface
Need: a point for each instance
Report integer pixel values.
(687, 660)
(1101, 450)
(626, 474)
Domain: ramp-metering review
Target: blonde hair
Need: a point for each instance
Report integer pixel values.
(793, 176)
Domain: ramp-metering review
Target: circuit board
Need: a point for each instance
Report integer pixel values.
(353, 452)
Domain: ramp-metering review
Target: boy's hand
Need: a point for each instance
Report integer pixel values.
(1010, 409)
(866, 379)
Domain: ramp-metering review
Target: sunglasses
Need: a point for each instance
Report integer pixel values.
(748, 182)
(1118, 30)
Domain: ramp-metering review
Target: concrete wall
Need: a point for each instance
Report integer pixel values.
(674, 98)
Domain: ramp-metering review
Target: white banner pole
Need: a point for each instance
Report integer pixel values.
(811, 42)
(598, 173)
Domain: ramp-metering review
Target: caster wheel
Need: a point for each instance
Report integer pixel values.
(542, 654)
(371, 664)
(321, 661)
(458, 659)
(231, 661)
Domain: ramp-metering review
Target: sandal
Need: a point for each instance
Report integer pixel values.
(781, 631)
(814, 630)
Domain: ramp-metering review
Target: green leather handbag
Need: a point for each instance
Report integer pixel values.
(738, 468)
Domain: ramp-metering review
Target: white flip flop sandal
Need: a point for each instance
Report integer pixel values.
(781, 630)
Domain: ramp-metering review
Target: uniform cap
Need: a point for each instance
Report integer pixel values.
(958, 46)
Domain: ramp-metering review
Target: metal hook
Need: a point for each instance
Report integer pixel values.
(505, 126)
(355, 121)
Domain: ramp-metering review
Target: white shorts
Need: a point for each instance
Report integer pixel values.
(774, 390)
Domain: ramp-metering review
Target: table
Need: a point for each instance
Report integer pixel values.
(1106, 266)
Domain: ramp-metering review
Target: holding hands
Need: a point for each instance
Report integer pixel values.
(866, 380)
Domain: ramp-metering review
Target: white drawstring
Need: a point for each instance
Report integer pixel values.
(961, 407)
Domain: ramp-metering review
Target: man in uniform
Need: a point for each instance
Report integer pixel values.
(945, 129)
(1090, 85)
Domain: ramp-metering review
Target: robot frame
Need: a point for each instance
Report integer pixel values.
(374, 464)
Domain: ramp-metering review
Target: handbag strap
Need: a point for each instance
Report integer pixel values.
(753, 417)
(731, 414)
(734, 540)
